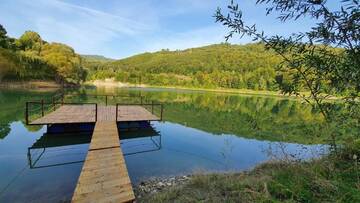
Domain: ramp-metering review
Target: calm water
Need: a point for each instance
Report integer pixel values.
(201, 132)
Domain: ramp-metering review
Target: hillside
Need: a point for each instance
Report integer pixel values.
(216, 66)
(98, 58)
(31, 58)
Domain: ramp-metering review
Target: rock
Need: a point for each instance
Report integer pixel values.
(147, 190)
(160, 185)
(154, 185)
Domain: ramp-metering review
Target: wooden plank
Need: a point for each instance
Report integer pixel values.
(86, 114)
(135, 113)
(105, 135)
(69, 114)
(104, 177)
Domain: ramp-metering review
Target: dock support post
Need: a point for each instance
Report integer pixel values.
(105, 100)
(42, 107)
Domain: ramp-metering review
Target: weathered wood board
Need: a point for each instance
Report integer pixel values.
(104, 177)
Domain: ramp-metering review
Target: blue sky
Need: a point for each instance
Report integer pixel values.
(119, 29)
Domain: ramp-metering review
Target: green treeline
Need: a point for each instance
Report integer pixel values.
(254, 117)
(30, 57)
(216, 66)
(248, 66)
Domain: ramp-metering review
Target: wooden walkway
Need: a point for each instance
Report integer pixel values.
(104, 177)
(86, 114)
(68, 114)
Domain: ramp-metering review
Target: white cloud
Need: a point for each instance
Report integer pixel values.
(83, 28)
(116, 28)
(193, 38)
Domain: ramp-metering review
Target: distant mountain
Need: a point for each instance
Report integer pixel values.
(96, 58)
(248, 66)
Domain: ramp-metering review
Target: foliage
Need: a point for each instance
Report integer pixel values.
(29, 57)
(95, 58)
(214, 66)
(309, 58)
(30, 41)
(263, 118)
(12, 107)
(253, 117)
(328, 179)
(5, 41)
(65, 60)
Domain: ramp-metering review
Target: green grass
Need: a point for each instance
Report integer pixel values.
(329, 179)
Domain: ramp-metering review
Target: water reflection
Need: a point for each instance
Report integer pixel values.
(52, 146)
(139, 140)
(202, 132)
(186, 150)
(59, 145)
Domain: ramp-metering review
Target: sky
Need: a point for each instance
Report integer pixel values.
(119, 29)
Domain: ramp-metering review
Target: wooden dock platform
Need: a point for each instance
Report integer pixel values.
(104, 177)
(88, 113)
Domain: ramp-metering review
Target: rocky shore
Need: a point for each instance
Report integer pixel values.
(154, 185)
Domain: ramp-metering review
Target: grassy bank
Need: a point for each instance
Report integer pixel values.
(329, 179)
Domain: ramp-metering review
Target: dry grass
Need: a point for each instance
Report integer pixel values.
(326, 180)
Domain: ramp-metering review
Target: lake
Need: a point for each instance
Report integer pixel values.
(201, 132)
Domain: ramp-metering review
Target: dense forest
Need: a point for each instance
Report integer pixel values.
(31, 58)
(249, 66)
(216, 66)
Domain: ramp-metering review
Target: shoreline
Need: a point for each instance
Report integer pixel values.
(39, 85)
(249, 92)
(112, 83)
(51, 85)
(272, 181)
(157, 184)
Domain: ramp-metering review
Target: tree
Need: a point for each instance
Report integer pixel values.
(5, 64)
(65, 61)
(324, 59)
(5, 41)
(30, 41)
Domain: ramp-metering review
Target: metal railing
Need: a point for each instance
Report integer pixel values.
(107, 97)
(44, 107)
(152, 106)
(54, 99)
(47, 107)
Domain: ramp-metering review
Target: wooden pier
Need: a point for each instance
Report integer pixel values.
(104, 176)
(91, 113)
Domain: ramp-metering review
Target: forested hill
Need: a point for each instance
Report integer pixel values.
(31, 58)
(97, 58)
(215, 66)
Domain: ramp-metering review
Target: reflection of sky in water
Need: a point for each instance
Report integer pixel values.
(185, 150)
(175, 150)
